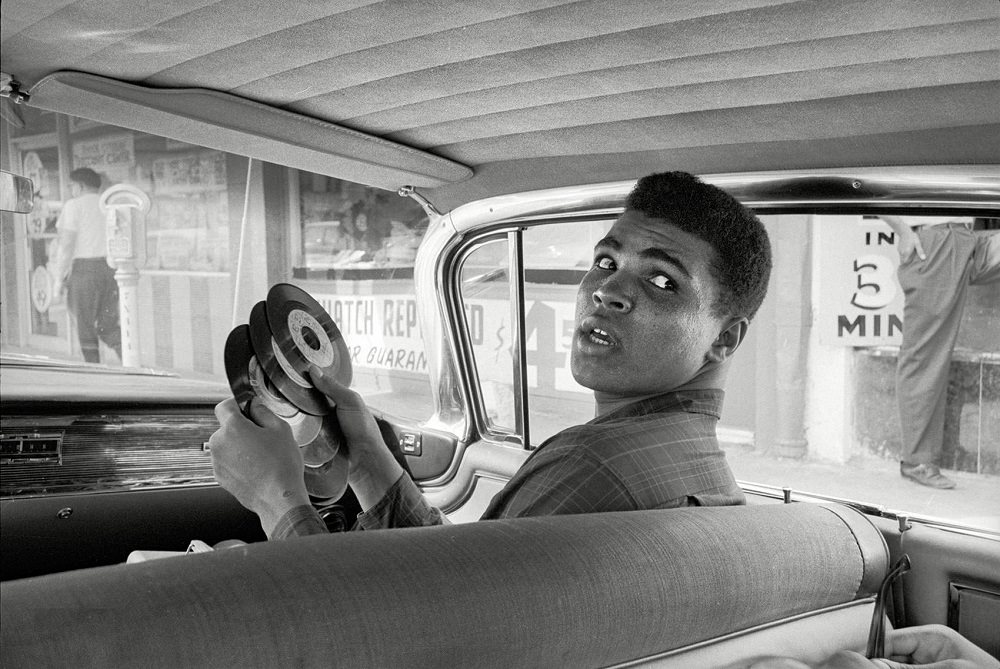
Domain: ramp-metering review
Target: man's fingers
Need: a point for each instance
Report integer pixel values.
(225, 409)
(342, 396)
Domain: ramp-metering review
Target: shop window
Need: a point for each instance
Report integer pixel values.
(355, 253)
(182, 244)
(347, 227)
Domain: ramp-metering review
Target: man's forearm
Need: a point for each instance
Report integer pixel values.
(373, 473)
(65, 244)
(403, 505)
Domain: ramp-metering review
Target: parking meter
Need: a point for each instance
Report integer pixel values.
(125, 208)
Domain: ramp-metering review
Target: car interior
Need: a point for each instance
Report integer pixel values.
(476, 152)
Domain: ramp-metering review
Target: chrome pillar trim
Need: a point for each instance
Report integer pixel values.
(411, 192)
(518, 325)
(951, 187)
(437, 246)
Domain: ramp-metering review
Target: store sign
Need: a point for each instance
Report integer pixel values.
(204, 170)
(113, 156)
(381, 332)
(860, 302)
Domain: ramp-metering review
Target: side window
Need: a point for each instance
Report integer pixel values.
(827, 396)
(486, 302)
(556, 257)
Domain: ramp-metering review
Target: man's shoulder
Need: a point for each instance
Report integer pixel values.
(82, 203)
(658, 428)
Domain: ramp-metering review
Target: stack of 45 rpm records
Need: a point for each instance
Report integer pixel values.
(268, 360)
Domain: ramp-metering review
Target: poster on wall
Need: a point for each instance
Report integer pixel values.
(111, 156)
(860, 302)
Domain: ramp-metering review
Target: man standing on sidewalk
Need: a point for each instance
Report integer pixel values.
(939, 258)
(84, 268)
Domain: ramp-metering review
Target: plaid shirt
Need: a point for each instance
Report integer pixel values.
(657, 453)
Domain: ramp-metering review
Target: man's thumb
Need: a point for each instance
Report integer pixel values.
(338, 394)
(261, 414)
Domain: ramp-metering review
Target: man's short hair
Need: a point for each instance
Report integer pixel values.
(86, 177)
(742, 261)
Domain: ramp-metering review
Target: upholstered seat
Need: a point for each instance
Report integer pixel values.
(569, 591)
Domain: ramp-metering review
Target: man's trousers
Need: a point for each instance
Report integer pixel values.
(935, 292)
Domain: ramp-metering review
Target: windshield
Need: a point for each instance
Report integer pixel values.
(211, 233)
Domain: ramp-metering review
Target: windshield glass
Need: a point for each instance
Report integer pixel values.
(200, 236)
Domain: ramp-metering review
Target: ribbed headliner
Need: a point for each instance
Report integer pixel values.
(537, 93)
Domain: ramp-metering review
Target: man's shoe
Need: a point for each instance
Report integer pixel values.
(928, 475)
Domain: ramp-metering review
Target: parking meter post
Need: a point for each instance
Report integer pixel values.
(127, 276)
(125, 206)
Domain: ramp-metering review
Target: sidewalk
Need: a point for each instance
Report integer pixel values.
(974, 502)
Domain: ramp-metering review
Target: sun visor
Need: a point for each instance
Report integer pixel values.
(236, 125)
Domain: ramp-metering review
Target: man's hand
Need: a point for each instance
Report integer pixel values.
(927, 646)
(373, 469)
(934, 646)
(907, 241)
(258, 461)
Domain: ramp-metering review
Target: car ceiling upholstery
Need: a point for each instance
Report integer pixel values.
(540, 93)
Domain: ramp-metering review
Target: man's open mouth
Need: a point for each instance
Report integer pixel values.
(600, 337)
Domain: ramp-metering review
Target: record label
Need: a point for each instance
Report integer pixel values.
(266, 392)
(285, 377)
(305, 333)
(286, 366)
(311, 339)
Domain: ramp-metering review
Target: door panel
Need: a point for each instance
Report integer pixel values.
(483, 469)
(954, 580)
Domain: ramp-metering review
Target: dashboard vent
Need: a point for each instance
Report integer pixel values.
(31, 447)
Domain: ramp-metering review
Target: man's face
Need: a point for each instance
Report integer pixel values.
(644, 310)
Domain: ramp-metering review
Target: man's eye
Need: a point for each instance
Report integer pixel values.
(604, 262)
(663, 282)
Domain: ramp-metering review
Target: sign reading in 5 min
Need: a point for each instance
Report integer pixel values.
(860, 301)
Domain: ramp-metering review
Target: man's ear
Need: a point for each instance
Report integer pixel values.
(728, 340)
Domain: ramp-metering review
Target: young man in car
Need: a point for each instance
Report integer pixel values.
(663, 308)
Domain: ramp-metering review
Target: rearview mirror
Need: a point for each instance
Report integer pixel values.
(16, 193)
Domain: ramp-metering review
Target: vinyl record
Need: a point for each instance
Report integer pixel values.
(290, 383)
(319, 438)
(248, 381)
(326, 463)
(305, 334)
(236, 357)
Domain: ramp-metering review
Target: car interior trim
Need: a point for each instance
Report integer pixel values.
(809, 637)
